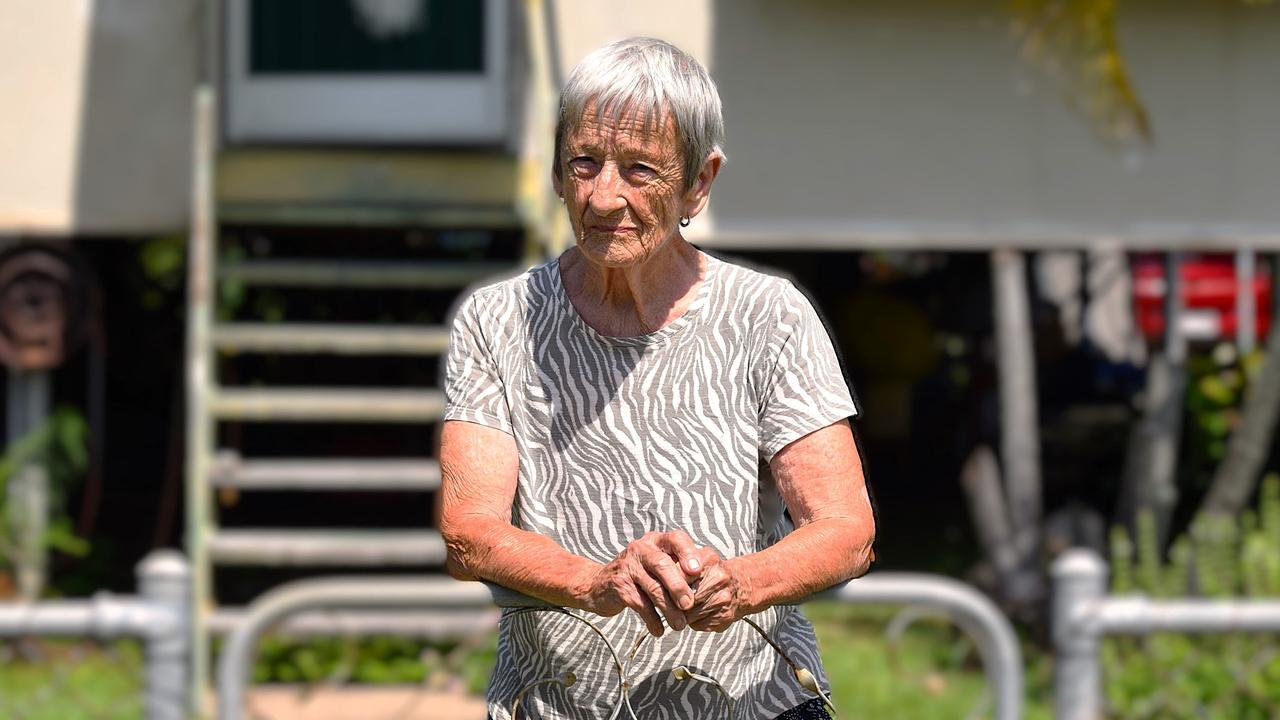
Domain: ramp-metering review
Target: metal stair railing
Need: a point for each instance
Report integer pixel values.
(209, 403)
(971, 611)
(231, 471)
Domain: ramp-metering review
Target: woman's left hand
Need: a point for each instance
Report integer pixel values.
(721, 595)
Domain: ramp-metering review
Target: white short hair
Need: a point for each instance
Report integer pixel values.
(654, 77)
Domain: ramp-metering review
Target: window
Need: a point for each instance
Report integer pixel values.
(367, 71)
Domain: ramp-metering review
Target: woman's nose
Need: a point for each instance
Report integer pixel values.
(606, 194)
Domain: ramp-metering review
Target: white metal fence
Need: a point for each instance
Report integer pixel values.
(158, 616)
(966, 607)
(1083, 614)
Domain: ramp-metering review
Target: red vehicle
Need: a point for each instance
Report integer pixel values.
(1208, 294)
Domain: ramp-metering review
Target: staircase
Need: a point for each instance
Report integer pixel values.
(309, 267)
(249, 513)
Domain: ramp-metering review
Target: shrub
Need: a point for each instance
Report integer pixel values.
(1168, 675)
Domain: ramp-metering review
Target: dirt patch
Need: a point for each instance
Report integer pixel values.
(290, 703)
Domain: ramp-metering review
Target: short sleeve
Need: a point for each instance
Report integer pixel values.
(473, 387)
(806, 389)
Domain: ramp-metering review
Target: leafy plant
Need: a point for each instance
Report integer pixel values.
(1168, 675)
(60, 445)
(1216, 387)
(378, 660)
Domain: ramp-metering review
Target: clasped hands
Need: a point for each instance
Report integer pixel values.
(666, 575)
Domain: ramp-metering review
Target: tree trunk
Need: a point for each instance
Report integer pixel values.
(1150, 472)
(1019, 420)
(1019, 424)
(980, 479)
(1251, 443)
(1150, 481)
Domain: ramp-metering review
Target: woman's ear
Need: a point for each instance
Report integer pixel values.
(557, 184)
(695, 199)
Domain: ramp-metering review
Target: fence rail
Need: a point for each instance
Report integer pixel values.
(158, 616)
(967, 608)
(1083, 614)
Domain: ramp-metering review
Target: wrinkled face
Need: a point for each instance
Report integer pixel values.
(622, 183)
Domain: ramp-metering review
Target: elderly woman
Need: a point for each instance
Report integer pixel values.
(608, 416)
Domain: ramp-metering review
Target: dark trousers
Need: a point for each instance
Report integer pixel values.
(812, 710)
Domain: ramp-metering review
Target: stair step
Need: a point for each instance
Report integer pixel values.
(320, 339)
(327, 404)
(230, 471)
(485, 217)
(277, 547)
(430, 624)
(362, 273)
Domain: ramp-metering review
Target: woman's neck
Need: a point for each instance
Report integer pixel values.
(635, 299)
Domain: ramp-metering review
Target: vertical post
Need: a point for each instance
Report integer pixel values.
(1079, 584)
(164, 581)
(543, 216)
(1163, 496)
(200, 430)
(28, 491)
(1246, 310)
(1019, 421)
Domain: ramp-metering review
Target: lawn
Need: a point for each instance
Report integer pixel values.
(931, 672)
(62, 680)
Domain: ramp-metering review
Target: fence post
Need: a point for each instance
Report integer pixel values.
(1079, 585)
(164, 581)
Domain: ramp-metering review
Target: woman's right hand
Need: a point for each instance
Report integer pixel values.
(652, 576)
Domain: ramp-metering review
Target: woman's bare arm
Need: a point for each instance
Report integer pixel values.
(479, 468)
(820, 478)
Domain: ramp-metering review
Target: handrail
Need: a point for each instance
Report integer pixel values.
(969, 609)
(329, 593)
(966, 607)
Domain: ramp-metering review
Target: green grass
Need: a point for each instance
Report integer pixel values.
(931, 672)
(62, 680)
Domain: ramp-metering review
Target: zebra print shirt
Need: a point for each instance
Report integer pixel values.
(621, 436)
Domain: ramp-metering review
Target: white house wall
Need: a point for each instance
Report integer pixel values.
(96, 122)
(915, 123)
(885, 122)
(41, 61)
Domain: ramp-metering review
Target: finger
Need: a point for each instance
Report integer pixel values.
(709, 606)
(713, 623)
(639, 601)
(658, 596)
(665, 569)
(684, 550)
(651, 619)
(703, 559)
(712, 582)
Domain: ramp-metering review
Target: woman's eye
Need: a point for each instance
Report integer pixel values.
(641, 169)
(582, 164)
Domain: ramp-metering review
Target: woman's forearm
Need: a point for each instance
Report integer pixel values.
(810, 559)
(486, 548)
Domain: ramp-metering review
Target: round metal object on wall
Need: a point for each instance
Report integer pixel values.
(43, 306)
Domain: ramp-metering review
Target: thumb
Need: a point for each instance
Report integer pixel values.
(698, 560)
(681, 548)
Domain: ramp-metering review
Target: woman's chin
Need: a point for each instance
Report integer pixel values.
(612, 252)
